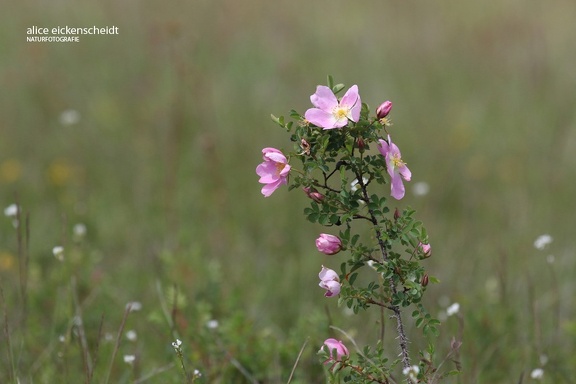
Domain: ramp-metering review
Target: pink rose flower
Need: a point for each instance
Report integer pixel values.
(329, 113)
(328, 244)
(397, 169)
(337, 345)
(273, 171)
(330, 281)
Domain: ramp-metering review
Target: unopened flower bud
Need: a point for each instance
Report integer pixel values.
(314, 195)
(328, 244)
(396, 214)
(426, 249)
(384, 109)
(424, 281)
(361, 144)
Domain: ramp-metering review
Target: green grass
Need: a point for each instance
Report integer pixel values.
(160, 168)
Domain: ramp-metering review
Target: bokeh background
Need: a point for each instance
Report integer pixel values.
(150, 139)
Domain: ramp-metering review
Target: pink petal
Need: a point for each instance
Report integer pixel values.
(267, 172)
(397, 188)
(383, 147)
(351, 99)
(277, 157)
(324, 98)
(320, 118)
(268, 189)
(405, 172)
(328, 274)
(285, 171)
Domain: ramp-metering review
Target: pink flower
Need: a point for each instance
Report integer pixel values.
(330, 281)
(337, 345)
(397, 169)
(273, 171)
(384, 109)
(329, 113)
(328, 244)
(426, 249)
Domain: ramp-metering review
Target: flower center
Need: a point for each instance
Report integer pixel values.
(279, 168)
(340, 113)
(397, 161)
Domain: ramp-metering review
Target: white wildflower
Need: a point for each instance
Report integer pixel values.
(542, 241)
(176, 344)
(69, 117)
(354, 184)
(131, 335)
(129, 359)
(412, 372)
(420, 188)
(537, 373)
(134, 306)
(58, 252)
(11, 210)
(212, 324)
(79, 230)
(453, 309)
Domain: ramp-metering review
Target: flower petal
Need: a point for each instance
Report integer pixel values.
(397, 188)
(351, 99)
(324, 98)
(328, 274)
(268, 172)
(269, 188)
(320, 118)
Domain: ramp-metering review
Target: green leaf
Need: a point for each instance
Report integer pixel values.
(352, 278)
(337, 88)
(330, 81)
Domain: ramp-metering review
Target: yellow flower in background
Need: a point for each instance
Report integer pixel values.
(10, 170)
(7, 261)
(60, 172)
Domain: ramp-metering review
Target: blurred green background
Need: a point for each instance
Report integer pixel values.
(150, 138)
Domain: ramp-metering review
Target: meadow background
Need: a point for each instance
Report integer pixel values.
(150, 139)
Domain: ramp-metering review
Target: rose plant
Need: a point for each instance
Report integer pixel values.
(346, 154)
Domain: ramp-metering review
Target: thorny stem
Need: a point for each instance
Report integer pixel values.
(403, 340)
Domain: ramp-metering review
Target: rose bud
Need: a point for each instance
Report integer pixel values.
(384, 109)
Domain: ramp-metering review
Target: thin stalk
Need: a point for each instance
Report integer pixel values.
(117, 343)
(397, 314)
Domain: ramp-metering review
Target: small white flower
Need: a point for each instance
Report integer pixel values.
(134, 306)
(453, 309)
(61, 338)
(412, 372)
(58, 252)
(197, 373)
(354, 184)
(131, 335)
(212, 324)
(79, 230)
(129, 359)
(542, 241)
(69, 117)
(537, 373)
(11, 210)
(420, 188)
(176, 344)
